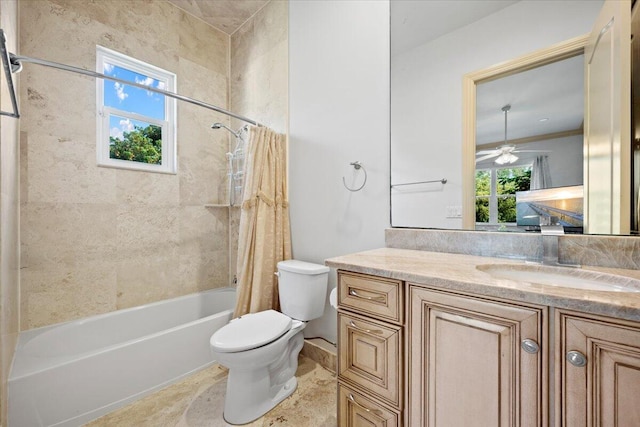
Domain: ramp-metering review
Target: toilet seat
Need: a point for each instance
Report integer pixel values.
(250, 331)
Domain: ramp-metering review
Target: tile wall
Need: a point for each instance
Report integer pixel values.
(259, 80)
(97, 239)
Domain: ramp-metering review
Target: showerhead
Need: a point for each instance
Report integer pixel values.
(220, 125)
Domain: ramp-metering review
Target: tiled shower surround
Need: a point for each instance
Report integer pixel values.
(96, 239)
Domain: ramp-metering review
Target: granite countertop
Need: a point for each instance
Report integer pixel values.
(459, 273)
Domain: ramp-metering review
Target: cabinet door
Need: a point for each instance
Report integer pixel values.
(607, 139)
(467, 366)
(598, 372)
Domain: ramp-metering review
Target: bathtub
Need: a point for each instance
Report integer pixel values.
(72, 372)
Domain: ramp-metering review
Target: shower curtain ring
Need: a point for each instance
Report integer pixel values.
(357, 166)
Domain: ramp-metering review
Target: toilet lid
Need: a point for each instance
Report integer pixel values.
(250, 331)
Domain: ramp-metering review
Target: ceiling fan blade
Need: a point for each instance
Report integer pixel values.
(532, 151)
(489, 156)
(483, 152)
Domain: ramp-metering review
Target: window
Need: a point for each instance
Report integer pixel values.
(135, 127)
(496, 193)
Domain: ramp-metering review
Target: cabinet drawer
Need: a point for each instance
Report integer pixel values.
(354, 409)
(378, 297)
(371, 356)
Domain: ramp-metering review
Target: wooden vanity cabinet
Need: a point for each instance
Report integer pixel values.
(597, 366)
(469, 360)
(474, 362)
(370, 351)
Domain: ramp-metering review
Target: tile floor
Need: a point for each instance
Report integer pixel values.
(198, 401)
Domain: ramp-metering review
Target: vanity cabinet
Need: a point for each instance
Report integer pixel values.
(417, 355)
(370, 350)
(474, 362)
(597, 371)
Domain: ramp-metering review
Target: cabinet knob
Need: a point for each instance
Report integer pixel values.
(530, 346)
(576, 358)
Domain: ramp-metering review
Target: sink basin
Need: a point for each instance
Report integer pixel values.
(562, 277)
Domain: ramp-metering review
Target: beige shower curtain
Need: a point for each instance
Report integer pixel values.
(265, 236)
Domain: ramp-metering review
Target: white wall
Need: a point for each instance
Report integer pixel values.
(339, 113)
(426, 102)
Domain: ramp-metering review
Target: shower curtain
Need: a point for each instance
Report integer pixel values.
(265, 235)
(540, 174)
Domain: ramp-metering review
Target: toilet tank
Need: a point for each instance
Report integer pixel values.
(302, 288)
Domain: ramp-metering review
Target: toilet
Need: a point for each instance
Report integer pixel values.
(261, 349)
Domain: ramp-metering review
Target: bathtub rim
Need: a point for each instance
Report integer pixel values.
(65, 360)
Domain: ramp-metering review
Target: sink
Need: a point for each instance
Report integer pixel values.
(562, 277)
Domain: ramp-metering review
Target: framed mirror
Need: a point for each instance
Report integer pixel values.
(429, 121)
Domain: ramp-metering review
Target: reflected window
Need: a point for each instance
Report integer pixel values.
(136, 127)
(496, 193)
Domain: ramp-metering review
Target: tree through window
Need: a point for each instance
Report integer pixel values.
(496, 193)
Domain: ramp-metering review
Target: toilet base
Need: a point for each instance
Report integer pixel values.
(246, 416)
(252, 392)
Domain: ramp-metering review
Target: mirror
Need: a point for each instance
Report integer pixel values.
(428, 63)
(528, 141)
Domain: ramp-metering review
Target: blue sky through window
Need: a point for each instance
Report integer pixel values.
(132, 99)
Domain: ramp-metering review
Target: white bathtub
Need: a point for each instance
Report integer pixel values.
(73, 372)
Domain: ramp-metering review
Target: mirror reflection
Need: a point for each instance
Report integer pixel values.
(528, 139)
(542, 148)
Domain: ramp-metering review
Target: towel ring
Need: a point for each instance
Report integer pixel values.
(357, 166)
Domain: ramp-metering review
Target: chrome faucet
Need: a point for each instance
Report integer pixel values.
(550, 237)
(551, 231)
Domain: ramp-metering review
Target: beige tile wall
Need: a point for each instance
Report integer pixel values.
(9, 215)
(259, 76)
(98, 239)
(260, 67)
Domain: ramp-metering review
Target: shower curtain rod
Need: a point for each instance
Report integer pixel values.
(7, 72)
(13, 63)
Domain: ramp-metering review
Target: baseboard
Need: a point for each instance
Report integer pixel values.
(321, 351)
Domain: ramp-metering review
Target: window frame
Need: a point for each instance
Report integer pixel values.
(104, 113)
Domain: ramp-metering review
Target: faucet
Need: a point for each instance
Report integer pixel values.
(550, 236)
(551, 231)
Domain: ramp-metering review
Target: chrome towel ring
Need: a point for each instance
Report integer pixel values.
(357, 166)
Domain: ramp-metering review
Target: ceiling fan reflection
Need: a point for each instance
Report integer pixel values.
(504, 154)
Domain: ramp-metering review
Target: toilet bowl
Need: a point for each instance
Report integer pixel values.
(261, 349)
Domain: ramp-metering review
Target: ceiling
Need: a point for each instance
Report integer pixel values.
(225, 15)
(414, 23)
(554, 92)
